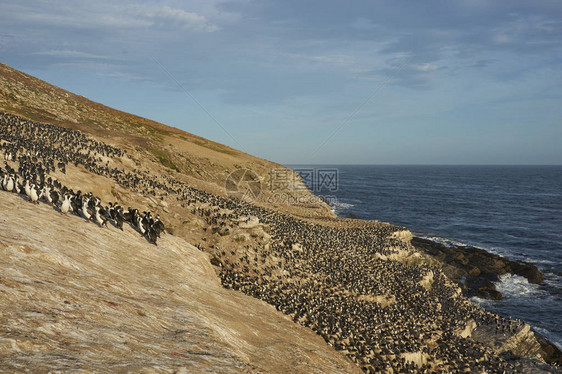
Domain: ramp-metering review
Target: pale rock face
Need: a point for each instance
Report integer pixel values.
(404, 235)
(418, 358)
(74, 296)
(522, 343)
(251, 223)
(427, 280)
(467, 331)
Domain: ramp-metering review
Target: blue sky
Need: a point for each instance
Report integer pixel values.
(372, 82)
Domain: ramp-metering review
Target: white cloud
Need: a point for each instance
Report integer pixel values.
(168, 16)
(103, 15)
(338, 60)
(501, 38)
(426, 67)
(69, 53)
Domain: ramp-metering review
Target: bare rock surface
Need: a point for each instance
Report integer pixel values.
(77, 297)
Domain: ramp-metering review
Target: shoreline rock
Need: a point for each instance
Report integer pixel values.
(475, 269)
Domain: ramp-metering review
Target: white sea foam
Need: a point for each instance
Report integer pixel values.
(343, 205)
(516, 286)
(479, 301)
(339, 206)
(441, 240)
(544, 262)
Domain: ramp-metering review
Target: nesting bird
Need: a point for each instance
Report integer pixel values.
(338, 281)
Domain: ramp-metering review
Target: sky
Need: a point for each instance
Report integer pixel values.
(314, 82)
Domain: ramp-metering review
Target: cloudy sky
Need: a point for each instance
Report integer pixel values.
(372, 82)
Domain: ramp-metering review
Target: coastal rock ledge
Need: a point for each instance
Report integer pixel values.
(475, 271)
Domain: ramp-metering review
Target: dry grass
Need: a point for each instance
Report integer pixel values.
(203, 163)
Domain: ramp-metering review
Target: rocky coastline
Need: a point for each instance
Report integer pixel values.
(358, 287)
(475, 271)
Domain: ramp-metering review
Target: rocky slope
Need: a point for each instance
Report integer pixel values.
(199, 161)
(74, 296)
(359, 286)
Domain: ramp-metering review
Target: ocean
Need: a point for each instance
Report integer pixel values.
(514, 211)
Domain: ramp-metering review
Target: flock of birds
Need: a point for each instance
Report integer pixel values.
(31, 180)
(341, 281)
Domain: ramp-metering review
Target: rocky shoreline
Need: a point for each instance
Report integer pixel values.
(359, 285)
(475, 270)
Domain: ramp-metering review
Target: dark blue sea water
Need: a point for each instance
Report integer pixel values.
(515, 211)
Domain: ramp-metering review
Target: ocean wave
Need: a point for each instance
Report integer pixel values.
(441, 240)
(480, 301)
(338, 207)
(516, 286)
(343, 205)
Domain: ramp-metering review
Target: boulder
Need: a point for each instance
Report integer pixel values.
(528, 271)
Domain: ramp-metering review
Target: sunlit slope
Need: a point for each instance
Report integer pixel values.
(203, 163)
(77, 296)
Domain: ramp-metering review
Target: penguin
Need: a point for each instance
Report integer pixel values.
(18, 188)
(47, 193)
(140, 225)
(10, 184)
(85, 210)
(33, 194)
(76, 203)
(65, 207)
(110, 211)
(146, 221)
(102, 221)
(119, 218)
(54, 195)
(133, 215)
(27, 189)
(151, 235)
(158, 226)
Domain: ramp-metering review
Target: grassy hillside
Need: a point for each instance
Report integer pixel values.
(73, 286)
(201, 162)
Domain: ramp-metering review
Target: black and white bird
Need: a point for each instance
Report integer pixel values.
(99, 218)
(158, 226)
(34, 194)
(85, 209)
(65, 206)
